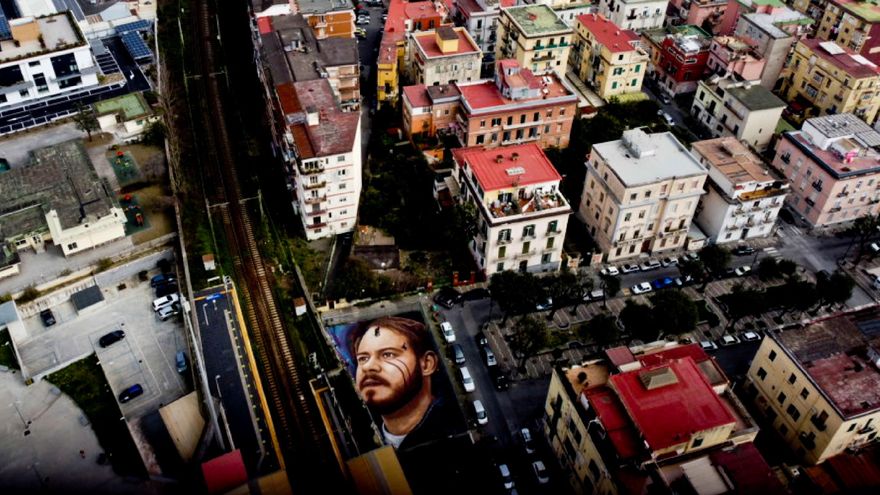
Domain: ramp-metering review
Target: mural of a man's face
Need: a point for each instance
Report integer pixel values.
(389, 373)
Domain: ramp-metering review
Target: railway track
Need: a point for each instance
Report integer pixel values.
(286, 387)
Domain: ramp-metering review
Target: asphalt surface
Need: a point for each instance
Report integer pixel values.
(46, 110)
(227, 376)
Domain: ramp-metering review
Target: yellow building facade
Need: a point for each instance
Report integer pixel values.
(606, 57)
(534, 36)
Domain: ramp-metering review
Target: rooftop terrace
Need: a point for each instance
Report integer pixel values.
(537, 20)
(34, 36)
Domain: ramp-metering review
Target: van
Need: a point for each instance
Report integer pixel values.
(480, 411)
(467, 380)
(165, 301)
(458, 353)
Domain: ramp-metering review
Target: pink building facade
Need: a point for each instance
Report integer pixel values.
(730, 55)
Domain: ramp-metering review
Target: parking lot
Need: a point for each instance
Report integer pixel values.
(146, 355)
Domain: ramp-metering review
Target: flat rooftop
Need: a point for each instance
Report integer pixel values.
(427, 42)
(288, 63)
(615, 421)
(866, 10)
(536, 20)
(668, 403)
(484, 96)
(842, 58)
(734, 160)
(755, 97)
(323, 6)
(833, 353)
(640, 158)
(34, 36)
(866, 162)
(130, 106)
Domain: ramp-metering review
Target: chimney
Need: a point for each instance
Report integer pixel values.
(312, 116)
(533, 16)
(514, 156)
(499, 158)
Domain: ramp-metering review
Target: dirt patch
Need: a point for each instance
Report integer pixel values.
(98, 139)
(157, 205)
(150, 160)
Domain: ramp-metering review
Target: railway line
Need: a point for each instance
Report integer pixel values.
(284, 382)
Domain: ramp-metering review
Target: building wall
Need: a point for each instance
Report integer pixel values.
(774, 50)
(830, 89)
(722, 59)
(387, 81)
(551, 129)
(726, 222)
(687, 69)
(43, 65)
(87, 235)
(755, 127)
(332, 24)
(656, 220)
(608, 72)
(828, 205)
(641, 15)
(540, 54)
(443, 70)
(783, 388)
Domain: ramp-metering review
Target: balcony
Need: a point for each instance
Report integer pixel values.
(315, 185)
(842, 194)
(314, 200)
(786, 158)
(522, 124)
(314, 212)
(544, 57)
(316, 225)
(527, 254)
(526, 203)
(503, 240)
(817, 186)
(521, 140)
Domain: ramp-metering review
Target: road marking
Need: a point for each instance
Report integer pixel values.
(795, 230)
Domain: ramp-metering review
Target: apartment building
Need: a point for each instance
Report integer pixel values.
(292, 52)
(649, 418)
(832, 164)
(534, 36)
(766, 34)
(850, 23)
(323, 146)
(743, 109)
(819, 385)
(607, 58)
(640, 194)
(696, 13)
(513, 108)
(328, 18)
(569, 10)
(443, 55)
(743, 195)
(523, 215)
(729, 55)
(635, 14)
(480, 18)
(42, 57)
(823, 78)
(785, 18)
(678, 57)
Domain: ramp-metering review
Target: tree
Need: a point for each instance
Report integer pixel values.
(674, 312)
(610, 288)
(787, 267)
(638, 320)
(768, 269)
(743, 302)
(154, 133)
(798, 295)
(563, 289)
(465, 219)
(584, 285)
(602, 330)
(529, 337)
(515, 293)
(85, 119)
(715, 258)
(834, 289)
(692, 268)
(865, 227)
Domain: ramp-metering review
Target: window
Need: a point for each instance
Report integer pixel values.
(772, 355)
(783, 429)
(499, 267)
(633, 196)
(627, 217)
(504, 235)
(526, 246)
(529, 231)
(793, 412)
(502, 252)
(762, 373)
(805, 393)
(546, 258)
(72, 245)
(697, 442)
(852, 427)
(551, 227)
(536, 117)
(480, 139)
(550, 242)
(781, 397)
(594, 469)
(792, 379)
(343, 185)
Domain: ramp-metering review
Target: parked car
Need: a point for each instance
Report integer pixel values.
(649, 265)
(506, 478)
(610, 271)
(692, 256)
(489, 356)
(728, 340)
(166, 288)
(628, 268)
(662, 283)
(130, 393)
(111, 338)
(874, 247)
(596, 295)
(162, 278)
(750, 336)
(666, 117)
(742, 271)
(467, 380)
(180, 359)
(362, 21)
(384, 17)
(480, 412)
(544, 305)
(165, 301)
(458, 354)
(360, 33)
(499, 379)
(541, 473)
(641, 288)
(448, 333)
(684, 281)
(664, 98)
(743, 250)
(166, 312)
(708, 345)
(669, 261)
(528, 442)
(447, 297)
(47, 317)
(481, 339)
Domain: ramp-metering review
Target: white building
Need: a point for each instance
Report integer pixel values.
(634, 14)
(640, 194)
(745, 110)
(42, 57)
(523, 216)
(569, 10)
(443, 55)
(743, 195)
(324, 147)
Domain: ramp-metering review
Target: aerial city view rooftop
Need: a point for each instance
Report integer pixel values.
(392, 247)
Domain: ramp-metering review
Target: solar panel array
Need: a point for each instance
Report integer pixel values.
(138, 25)
(136, 45)
(5, 32)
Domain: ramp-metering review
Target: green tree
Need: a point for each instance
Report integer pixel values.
(610, 288)
(787, 267)
(529, 336)
(768, 269)
(602, 330)
(356, 281)
(715, 258)
(563, 289)
(154, 133)
(515, 293)
(742, 302)
(85, 118)
(692, 268)
(638, 320)
(584, 285)
(798, 295)
(834, 289)
(465, 219)
(674, 312)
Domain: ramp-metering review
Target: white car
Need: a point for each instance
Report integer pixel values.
(448, 333)
(742, 271)
(467, 380)
(665, 116)
(168, 311)
(165, 301)
(506, 478)
(641, 288)
(541, 472)
(628, 268)
(708, 345)
(649, 265)
(729, 340)
(875, 248)
(362, 21)
(610, 271)
(670, 261)
(544, 306)
(750, 336)
(480, 412)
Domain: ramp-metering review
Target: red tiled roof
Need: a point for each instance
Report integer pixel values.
(747, 469)
(843, 61)
(613, 417)
(428, 43)
(608, 34)
(493, 175)
(335, 132)
(668, 415)
(694, 351)
(416, 95)
(224, 473)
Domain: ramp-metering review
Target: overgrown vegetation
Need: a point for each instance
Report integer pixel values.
(84, 382)
(7, 353)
